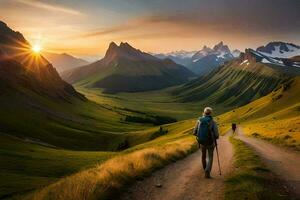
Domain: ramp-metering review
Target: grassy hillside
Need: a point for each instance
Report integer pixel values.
(76, 125)
(236, 83)
(105, 180)
(274, 117)
(231, 86)
(27, 165)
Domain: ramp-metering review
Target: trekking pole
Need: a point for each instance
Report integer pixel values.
(218, 156)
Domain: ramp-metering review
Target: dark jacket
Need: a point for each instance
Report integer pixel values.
(214, 128)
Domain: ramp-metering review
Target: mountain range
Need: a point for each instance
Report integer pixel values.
(240, 80)
(203, 61)
(62, 62)
(126, 69)
(181, 57)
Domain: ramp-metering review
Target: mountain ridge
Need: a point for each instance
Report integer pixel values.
(207, 59)
(32, 70)
(64, 61)
(237, 82)
(126, 69)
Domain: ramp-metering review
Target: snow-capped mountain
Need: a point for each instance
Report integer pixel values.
(181, 57)
(205, 51)
(204, 60)
(181, 54)
(220, 50)
(252, 56)
(207, 59)
(279, 50)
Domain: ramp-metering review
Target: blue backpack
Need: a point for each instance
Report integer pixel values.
(204, 134)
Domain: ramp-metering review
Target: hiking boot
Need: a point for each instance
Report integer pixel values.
(207, 174)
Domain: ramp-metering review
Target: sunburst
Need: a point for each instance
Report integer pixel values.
(36, 48)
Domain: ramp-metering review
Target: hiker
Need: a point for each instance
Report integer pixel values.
(207, 133)
(233, 127)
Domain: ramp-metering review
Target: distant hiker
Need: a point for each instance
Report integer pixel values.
(233, 127)
(207, 134)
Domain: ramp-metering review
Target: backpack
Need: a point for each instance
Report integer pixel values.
(204, 134)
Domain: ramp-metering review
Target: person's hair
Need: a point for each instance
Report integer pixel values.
(207, 111)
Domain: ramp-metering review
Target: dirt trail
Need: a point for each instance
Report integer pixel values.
(184, 179)
(283, 162)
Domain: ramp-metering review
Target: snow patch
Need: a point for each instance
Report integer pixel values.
(277, 53)
(296, 65)
(245, 61)
(264, 60)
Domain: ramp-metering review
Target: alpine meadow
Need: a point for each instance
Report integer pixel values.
(133, 100)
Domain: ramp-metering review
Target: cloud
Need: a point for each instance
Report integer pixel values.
(269, 17)
(50, 7)
(175, 30)
(142, 23)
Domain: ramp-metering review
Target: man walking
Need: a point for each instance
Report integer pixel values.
(233, 127)
(207, 133)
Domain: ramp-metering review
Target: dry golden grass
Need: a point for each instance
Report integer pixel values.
(106, 179)
(284, 132)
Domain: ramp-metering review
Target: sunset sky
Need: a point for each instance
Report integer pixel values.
(85, 28)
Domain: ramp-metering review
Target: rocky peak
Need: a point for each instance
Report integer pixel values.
(220, 47)
(125, 50)
(250, 55)
(206, 48)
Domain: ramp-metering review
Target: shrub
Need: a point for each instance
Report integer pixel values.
(151, 119)
(159, 133)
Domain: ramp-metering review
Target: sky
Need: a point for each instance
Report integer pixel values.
(85, 28)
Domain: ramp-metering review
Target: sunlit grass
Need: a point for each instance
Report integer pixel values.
(283, 132)
(108, 178)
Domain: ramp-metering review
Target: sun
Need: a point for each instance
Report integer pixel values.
(36, 48)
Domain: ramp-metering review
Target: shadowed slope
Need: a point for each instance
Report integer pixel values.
(125, 69)
(20, 68)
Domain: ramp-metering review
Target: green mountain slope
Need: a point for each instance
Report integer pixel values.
(125, 69)
(236, 83)
(275, 117)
